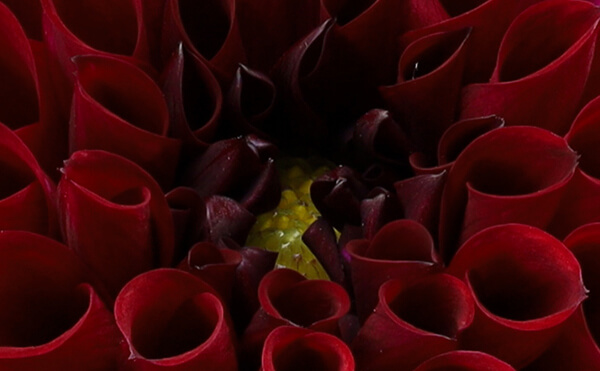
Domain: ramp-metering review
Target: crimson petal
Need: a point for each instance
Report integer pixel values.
(321, 240)
(290, 348)
(118, 108)
(52, 319)
(525, 283)
(173, 320)
(512, 174)
(100, 192)
(413, 322)
(528, 69)
(463, 360)
(416, 100)
(402, 249)
(208, 29)
(29, 14)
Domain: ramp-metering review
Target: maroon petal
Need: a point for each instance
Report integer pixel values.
(186, 209)
(573, 350)
(100, 192)
(489, 21)
(402, 249)
(413, 322)
(420, 197)
(27, 195)
(458, 136)
(378, 209)
(416, 100)
(321, 240)
(214, 266)
(526, 284)
(464, 360)
(208, 29)
(95, 27)
(118, 108)
(51, 318)
(194, 99)
(584, 242)
(222, 217)
(528, 69)
(290, 348)
(258, 20)
(337, 195)
(250, 101)
(287, 298)
(29, 14)
(172, 320)
(513, 174)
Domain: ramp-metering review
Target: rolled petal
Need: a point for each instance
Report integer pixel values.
(214, 266)
(27, 195)
(526, 72)
(208, 29)
(290, 348)
(413, 322)
(463, 360)
(118, 108)
(222, 217)
(114, 216)
(321, 240)
(194, 99)
(489, 20)
(51, 318)
(416, 101)
(378, 209)
(186, 209)
(287, 298)
(584, 242)
(402, 249)
(173, 320)
(525, 283)
(29, 14)
(513, 174)
(95, 27)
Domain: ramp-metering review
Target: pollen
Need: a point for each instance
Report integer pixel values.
(281, 229)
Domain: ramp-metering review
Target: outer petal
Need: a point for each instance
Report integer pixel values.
(514, 174)
(102, 192)
(287, 298)
(413, 322)
(402, 249)
(525, 283)
(527, 70)
(118, 108)
(27, 195)
(29, 14)
(288, 348)
(51, 318)
(463, 360)
(417, 100)
(489, 21)
(173, 320)
(208, 29)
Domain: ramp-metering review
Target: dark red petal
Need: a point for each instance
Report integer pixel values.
(413, 322)
(173, 320)
(27, 195)
(584, 242)
(420, 198)
(186, 209)
(100, 192)
(489, 21)
(95, 27)
(291, 348)
(464, 360)
(214, 266)
(526, 284)
(29, 14)
(222, 217)
(249, 101)
(258, 21)
(416, 101)
(322, 242)
(194, 99)
(378, 209)
(574, 349)
(402, 249)
(513, 174)
(208, 29)
(51, 319)
(287, 298)
(528, 69)
(118, 108)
